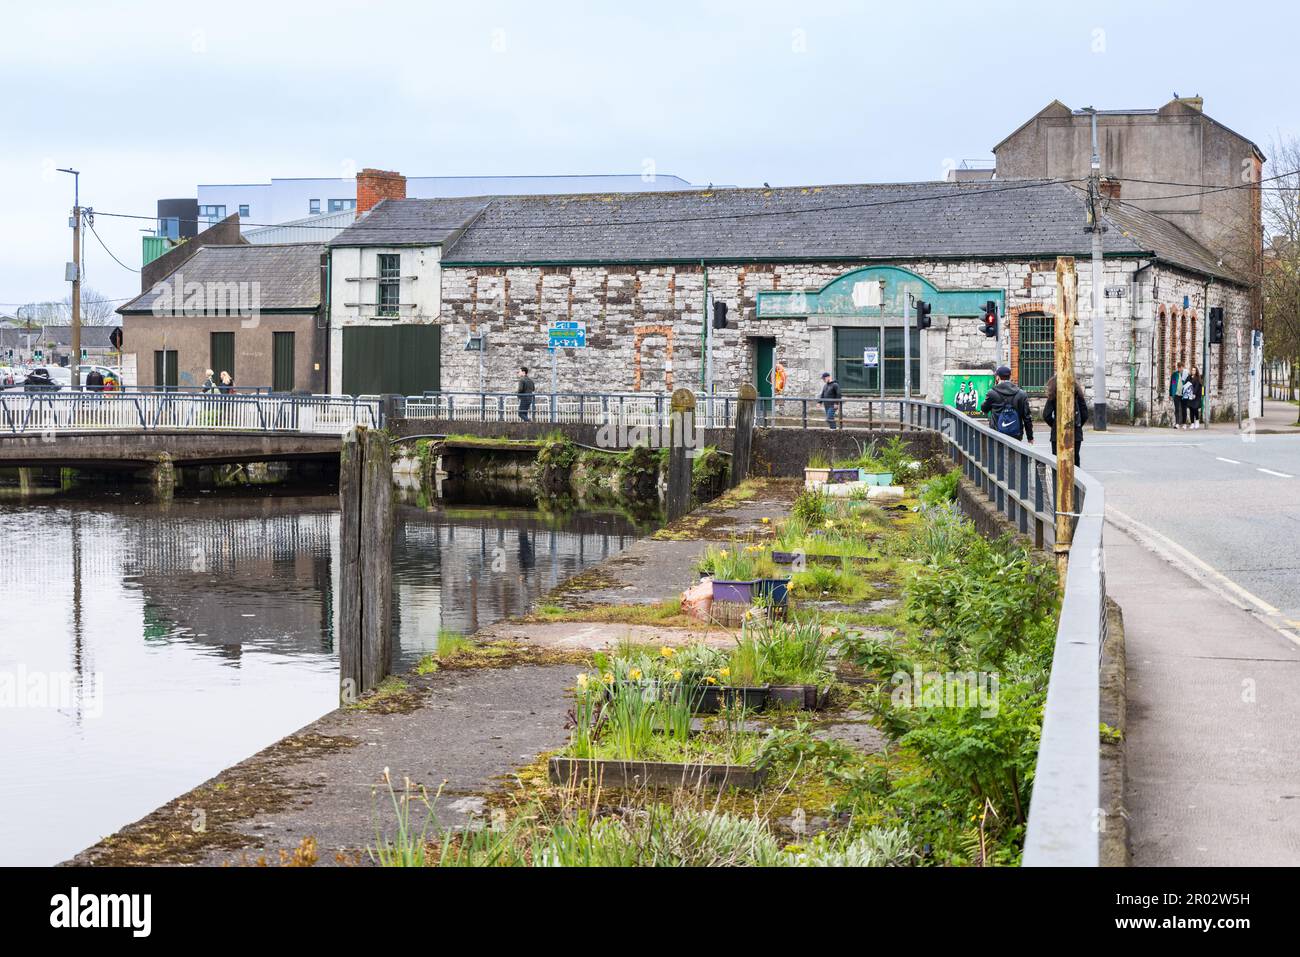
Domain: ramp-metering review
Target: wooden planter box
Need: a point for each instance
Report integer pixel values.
(612, 773)
(807, 697)
(709, 699)
(811, 476)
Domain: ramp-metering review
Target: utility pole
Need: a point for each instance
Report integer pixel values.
(1067, 294)
(1098, 290)
(76, 278)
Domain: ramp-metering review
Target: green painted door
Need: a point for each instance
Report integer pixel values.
(383, 360)
(764, 361)
(165, 368)
(282, 362)
(222, 352)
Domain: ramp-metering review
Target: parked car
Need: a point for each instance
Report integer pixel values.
(41, 379)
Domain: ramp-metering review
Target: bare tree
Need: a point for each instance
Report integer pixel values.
(1281, 272)
(96, 309)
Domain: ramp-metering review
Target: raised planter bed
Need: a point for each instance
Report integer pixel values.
(808, 697)
(876, 478)
(788, 558)
(747, 592)
(611, 773)
(840, 476)
(813, 476)
(709, 699)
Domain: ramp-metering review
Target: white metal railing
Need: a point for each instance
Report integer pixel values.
(629, 409)
(52, 412)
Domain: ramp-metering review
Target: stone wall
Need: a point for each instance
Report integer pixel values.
(645, 328)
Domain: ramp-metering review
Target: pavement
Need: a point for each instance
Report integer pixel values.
(1201, 555)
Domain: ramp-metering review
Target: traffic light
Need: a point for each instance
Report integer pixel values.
(922, 314)
(1216, 325)
(991, 319)
(719, 315)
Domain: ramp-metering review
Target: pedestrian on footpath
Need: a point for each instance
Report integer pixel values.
(1192, 391)
(209, 384)
(1080, 415)
(1176, 394)
(526, 390)
(830, 398)
(1007, 406)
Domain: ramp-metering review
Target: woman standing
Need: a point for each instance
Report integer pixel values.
(1176, 394)
(1193, 389)
(1080, 415)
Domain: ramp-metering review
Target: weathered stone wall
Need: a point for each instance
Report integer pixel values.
(645, 328)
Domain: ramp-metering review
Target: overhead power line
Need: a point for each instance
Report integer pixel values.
(110, 252)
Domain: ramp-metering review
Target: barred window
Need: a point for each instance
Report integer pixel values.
(1037, 351)
(390, 284)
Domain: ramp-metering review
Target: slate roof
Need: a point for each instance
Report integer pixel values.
(289, 276)
(1023, 219)
(412, 222)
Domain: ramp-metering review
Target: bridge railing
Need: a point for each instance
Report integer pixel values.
(52, 412)
(1019, 481)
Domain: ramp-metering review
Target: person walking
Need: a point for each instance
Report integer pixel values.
(1176, 394)
(830, 398)
(1193, 389)
(1080, 415)
(526, 391)
(227, 383)
(209, 384)
(95, 380)
(1007, 406)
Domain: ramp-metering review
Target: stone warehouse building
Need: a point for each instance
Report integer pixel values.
(812, 278)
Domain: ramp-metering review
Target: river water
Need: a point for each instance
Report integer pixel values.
(144, 648)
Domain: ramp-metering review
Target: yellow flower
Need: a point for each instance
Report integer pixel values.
(609, 678)
(711, 680)
(635, 674)
(667, 652)
(677, 676)
(582, 679)
(722, 554)
(767, 521)
(725, 672)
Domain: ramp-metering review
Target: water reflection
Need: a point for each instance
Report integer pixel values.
(144, 648)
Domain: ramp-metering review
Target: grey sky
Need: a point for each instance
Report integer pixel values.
(149, 99)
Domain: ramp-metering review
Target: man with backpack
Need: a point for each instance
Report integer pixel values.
(1007, 406)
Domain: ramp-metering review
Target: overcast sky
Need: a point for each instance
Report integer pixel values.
(150, 99)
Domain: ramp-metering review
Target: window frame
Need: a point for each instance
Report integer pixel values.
(388, 274)
(1031, 353)
(313, 207)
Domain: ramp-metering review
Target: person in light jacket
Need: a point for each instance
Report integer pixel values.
(1176, 394)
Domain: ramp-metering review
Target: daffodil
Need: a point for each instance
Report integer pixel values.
(711, 680)
(582, 680)
(725, 672)
(635, 674)
(609, 678)
(667, 651)
(767, 521)
(722, 554)
(677, 676)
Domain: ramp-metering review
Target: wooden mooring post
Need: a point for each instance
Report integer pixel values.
(683, 441)
(1067, 301)
(742, 444)
(366, 568)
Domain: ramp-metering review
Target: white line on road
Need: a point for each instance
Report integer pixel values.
(1231, 461)
(1195, 568)
(1271, 472)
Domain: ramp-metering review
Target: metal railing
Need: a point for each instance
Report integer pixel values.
(52, 412)
(1019, 481)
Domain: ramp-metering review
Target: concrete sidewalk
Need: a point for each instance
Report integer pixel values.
(1279, 418)
(1213, 742)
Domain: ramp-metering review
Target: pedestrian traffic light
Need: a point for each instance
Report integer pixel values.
(991, 318)
(922, 314)
(719, 315)
(1216, 325)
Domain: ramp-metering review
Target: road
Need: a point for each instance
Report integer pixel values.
(1202, 556)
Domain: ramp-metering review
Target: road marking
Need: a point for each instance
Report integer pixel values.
(1212, 578)
(1271, 472)
(1222, 459)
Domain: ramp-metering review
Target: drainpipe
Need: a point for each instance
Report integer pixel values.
(706, 366)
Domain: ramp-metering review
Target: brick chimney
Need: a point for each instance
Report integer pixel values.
(374, 185)
(1109, 187)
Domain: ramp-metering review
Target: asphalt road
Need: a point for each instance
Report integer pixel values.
(1232, 501)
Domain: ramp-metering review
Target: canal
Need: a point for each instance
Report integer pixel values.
(144, 648)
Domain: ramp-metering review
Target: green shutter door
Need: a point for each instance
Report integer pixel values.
(380, 360)
(222, 352)
(282, 362)
(165, 368)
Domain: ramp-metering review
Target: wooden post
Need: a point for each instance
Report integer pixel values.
(742, 444)
(681, 449)
(365, 574)
(1067, 296)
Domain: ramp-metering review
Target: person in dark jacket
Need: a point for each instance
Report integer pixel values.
(830, 398)
(526, 390)
(1176, 380)
(1193, 390)
(95, 381)
(1007, 406)
(1080, 415)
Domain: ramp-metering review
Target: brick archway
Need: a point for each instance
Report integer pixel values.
(639, 335)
